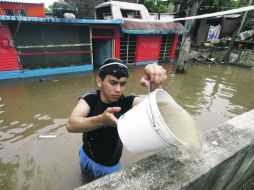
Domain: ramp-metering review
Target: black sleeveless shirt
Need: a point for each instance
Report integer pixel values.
(103, 145)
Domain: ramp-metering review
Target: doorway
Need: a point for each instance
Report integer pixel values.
(102, 49)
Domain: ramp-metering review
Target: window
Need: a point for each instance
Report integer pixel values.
(104, 13)
(130, 13)
(15, 12)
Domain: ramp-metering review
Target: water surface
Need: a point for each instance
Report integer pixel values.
(40, 106)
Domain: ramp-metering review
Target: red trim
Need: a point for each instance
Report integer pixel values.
(117, 42)
(173, 50)
(102, 37)
(53, 53)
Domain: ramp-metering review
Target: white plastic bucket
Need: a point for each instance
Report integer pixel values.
(143, 129)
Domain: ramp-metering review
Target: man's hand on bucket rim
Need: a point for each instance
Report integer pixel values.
(109, 118)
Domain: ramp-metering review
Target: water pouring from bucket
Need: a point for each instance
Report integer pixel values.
(158, 122)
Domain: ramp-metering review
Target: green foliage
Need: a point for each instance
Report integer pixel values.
(230, 4)
(207, 6)
(225, 3)
(155, 6)
(62, 5)
(177, 2)
(59, 8)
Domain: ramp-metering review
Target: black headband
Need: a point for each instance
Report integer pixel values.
(115, 68)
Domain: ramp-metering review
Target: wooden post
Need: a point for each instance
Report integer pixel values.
(236, 33)
(244, 18)
(186, 40)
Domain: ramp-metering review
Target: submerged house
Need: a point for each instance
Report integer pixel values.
(34, 46)
(32, 8)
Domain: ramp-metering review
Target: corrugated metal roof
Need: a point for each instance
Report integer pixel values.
(159, 26)
(23, 1)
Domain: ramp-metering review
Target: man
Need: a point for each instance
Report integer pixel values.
(97, 112)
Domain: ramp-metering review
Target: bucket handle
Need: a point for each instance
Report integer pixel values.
(155, 127)
(151, 114)
(149, 89)
(153, 120)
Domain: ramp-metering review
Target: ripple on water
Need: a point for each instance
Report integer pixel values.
(14, 123)
(12, 134)
(4, 137)
(37, 115)
(45, 117)
(17, 130)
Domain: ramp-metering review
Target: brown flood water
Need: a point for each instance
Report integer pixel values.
(29, 108)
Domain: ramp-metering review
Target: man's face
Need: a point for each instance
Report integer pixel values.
(111, 88)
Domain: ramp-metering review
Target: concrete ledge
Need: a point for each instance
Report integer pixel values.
(227, 162)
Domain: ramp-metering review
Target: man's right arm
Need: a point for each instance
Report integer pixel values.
(79, 122)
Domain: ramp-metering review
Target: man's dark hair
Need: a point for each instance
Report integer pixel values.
(114, 67)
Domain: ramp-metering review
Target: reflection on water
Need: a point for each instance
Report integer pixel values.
(29, 108)
(213, 94)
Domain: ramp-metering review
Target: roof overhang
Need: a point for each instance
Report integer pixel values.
(127, 25)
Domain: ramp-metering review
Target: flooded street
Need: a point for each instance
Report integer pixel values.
(40, 106)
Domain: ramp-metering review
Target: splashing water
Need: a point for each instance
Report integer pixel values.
(183, 126)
